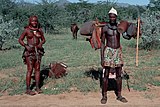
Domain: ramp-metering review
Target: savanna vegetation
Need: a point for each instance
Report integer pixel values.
(82, 60)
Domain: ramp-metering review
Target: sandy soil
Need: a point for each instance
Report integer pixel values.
(78, 99)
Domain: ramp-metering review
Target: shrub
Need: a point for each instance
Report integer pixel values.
(151, 30)
(8, 31)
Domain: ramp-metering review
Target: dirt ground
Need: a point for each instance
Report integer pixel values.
(77, 99)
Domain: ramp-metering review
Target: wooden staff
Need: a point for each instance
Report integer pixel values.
(137, 41)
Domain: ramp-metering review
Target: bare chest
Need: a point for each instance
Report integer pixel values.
(33, 34)
(111, 32)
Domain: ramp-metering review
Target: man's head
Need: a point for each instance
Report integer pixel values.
(112, 16)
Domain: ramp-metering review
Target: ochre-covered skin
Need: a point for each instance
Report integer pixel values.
(33, 51)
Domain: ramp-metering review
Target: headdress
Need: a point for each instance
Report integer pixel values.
(114, 11)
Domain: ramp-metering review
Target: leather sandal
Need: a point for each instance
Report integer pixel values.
(104, 100)
(122, 99)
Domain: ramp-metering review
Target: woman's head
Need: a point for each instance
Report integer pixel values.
(33, 21)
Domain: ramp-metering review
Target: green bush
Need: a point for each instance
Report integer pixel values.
(150, 30)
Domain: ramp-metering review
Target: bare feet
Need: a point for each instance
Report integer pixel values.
(39, 91)
(30, 92)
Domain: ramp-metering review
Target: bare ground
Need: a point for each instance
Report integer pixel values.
(77, 99)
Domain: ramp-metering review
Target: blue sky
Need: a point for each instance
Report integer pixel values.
(133, 2)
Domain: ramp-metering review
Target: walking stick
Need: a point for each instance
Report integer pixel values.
(137, 41)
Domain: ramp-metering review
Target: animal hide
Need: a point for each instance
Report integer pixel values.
(87, 28)
(57, 69)
(95, 40)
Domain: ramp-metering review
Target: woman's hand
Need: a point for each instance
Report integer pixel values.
(39, 46)
(30, 49)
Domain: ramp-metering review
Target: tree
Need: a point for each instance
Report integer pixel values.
(6, 8)
(51, 16)
(154, 5)
(7, 32)
(151, 30)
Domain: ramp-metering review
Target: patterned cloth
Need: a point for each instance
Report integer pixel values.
(113, 57)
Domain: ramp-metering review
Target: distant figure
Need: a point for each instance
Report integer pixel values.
(74, 30)
(33, 52)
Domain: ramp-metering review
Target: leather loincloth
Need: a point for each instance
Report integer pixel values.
(33, 56)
